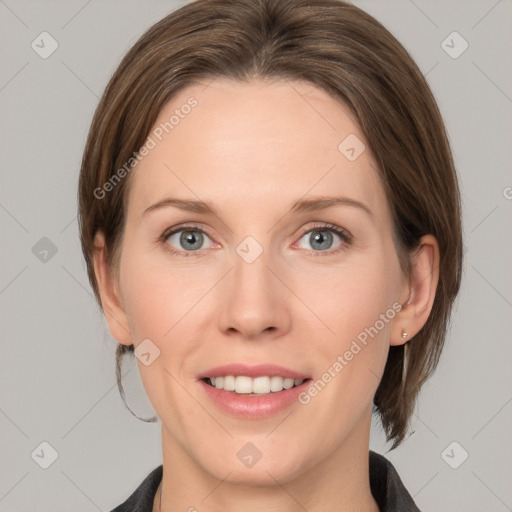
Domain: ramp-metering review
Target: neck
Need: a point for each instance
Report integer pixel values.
(341, 479)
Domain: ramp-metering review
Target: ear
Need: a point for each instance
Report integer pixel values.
(421, 292)
(112, 305)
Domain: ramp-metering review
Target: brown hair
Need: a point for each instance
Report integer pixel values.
(339, 48)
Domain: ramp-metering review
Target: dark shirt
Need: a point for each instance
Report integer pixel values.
(387, 489)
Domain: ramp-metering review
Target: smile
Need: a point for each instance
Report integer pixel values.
(253, 392)
(242, 384)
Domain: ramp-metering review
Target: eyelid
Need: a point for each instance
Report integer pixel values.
(186, 227)
(341, 232)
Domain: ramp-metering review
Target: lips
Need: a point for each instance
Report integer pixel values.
(252, 392)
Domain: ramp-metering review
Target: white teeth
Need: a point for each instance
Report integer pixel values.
(243, 384)
(229, 383)
(288, 383)
(259, 385)
(276, 383)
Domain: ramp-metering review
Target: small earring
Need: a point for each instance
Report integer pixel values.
(404, 334)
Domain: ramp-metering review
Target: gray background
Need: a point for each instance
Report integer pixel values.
(57, 381)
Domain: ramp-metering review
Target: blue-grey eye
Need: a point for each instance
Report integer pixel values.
(319, 239)
(188, 239)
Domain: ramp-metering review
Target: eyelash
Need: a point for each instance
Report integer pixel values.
(345, 236)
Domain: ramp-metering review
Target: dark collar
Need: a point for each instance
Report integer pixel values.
(387, 489)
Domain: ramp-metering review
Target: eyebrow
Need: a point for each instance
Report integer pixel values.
(302, 205)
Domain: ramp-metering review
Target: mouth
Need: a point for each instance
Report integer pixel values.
(253, 392)
(257, 386)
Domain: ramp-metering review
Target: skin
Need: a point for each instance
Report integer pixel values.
(254, 149)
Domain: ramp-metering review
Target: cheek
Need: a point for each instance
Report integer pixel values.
(157, 294)
(358, 304)
(353, 296)
(166, 303)
(148, 308)
(159, 304)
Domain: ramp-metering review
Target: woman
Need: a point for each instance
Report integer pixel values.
(270, 217)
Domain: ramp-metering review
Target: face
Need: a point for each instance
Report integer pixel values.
(273, 279)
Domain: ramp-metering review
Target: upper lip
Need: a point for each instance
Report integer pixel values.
(260, 370)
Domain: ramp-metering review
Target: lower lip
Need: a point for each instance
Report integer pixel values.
(250, 406)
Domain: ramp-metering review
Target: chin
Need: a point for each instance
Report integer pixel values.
(253, 467)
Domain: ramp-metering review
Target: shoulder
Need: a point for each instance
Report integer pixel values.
(387, 487)
(141, 500)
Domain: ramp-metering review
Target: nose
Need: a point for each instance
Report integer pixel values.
(253, 302)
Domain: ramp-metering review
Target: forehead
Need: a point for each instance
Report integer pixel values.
(255, 141)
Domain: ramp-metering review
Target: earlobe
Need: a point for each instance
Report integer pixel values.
(423, 286)
(113, 308)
